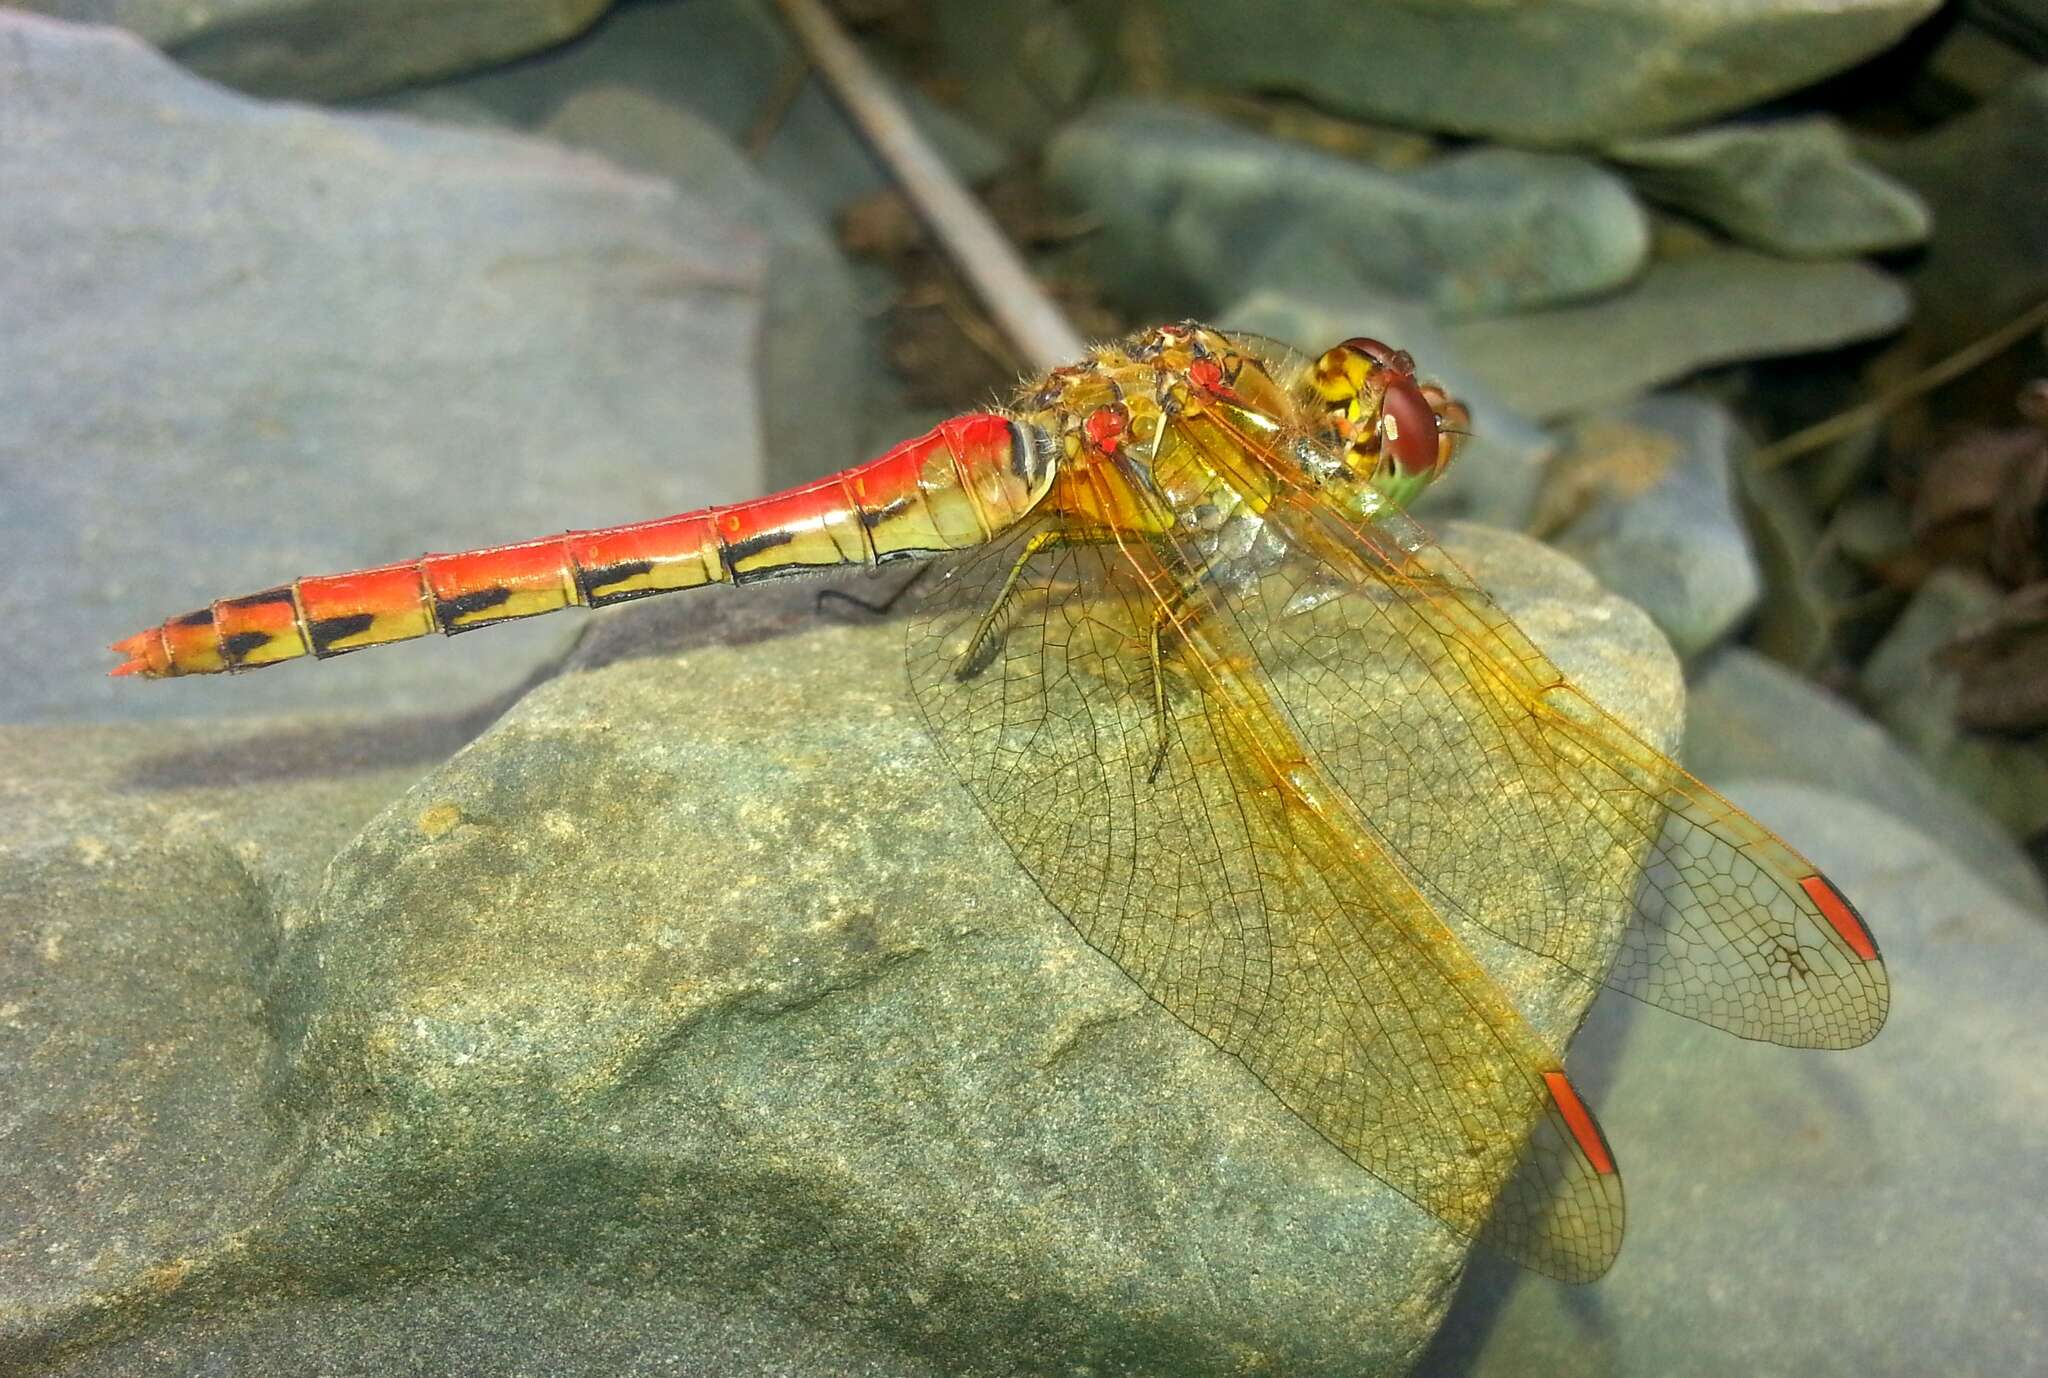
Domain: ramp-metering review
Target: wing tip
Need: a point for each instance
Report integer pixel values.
(1841, 915)
(1578, 1120)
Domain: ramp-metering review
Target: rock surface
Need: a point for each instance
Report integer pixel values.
(694, 984)
(1569, 71)
(1197, 210)
(726, 62)
(814, 368)
(1747, 717)
(1817, 1215)
(1652, 489)
(244, 342)
(332, 49)
(1791, 186)
(1685, 314)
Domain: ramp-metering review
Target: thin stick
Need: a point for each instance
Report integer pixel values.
(986, 259)
(1848, 422)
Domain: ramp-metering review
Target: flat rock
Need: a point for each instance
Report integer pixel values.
(325, 51)
(1195, 210)
(244, 342)
(693, 984)
(1685, 314)
(1793, 186)
(1798, 1214)
(1564, 72)
(815, 370)
(725, 62)
(1652, 491)
(1748, 717)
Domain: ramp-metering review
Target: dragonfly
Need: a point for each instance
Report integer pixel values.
(1257, 737)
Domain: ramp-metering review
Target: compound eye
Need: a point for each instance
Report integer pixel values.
(1380, 352)
(1408, 428)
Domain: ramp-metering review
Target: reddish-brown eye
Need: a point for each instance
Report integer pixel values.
(1382, 353)
(1408, 424)
(1206, 374)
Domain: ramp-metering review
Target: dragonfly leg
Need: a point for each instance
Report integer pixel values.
(1158, 702)
(1170, 615)
(988, 635)
(880, 607)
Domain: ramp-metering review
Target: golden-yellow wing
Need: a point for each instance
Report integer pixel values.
(1106, 710)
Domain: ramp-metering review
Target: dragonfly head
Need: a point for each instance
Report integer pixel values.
(1395, 433)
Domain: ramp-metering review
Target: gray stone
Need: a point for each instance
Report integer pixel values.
(815, 370)
(1500, 465)
(1817, 1215)
(143, 876)
(1749, 717)
(1982, 175)
(693, 984)
(725, 61)
(1792, 186)
(1197, 212)
(244, 342)
(499, 1328)
(1914, 693)
(338, 48)
(1656, 519)
(1685, 314)
(1562, 72)
(1019, 70)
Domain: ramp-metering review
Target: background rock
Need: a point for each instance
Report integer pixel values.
(1198, 211)
(727, 62)
(1790, 186)
(1747, 717)
(1571, 71)
(1687, 313)
(1914, 693)
(333, 48)
(1654, 518)
(247, 342)
(814, 367)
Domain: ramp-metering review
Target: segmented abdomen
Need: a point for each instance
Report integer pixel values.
(954, 487)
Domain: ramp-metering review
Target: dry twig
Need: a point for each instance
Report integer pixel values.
(991, 265)
(1847, 423)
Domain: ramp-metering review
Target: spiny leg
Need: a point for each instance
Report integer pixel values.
(1158, 705)
(1172, 614)
(987, 639)
(1166, 615)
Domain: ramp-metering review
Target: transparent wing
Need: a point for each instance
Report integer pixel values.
(1434, 710)
(1109, 718)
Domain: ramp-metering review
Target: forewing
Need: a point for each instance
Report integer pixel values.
(1516, 801)
(1293, 944)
